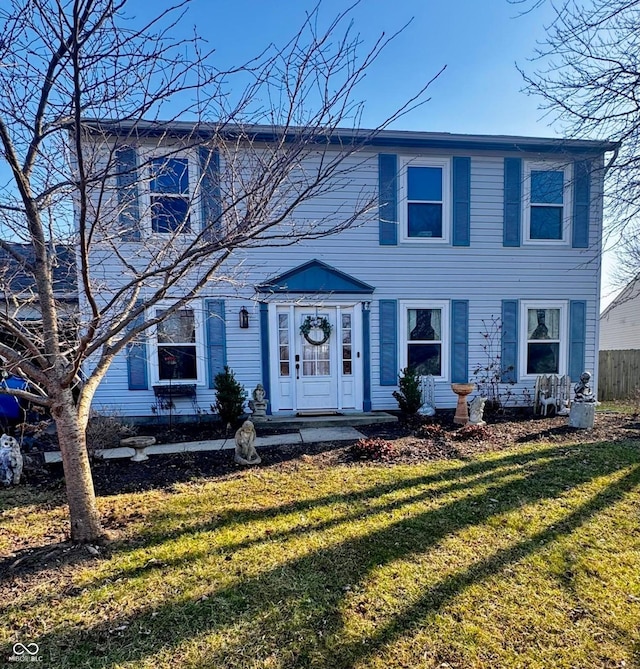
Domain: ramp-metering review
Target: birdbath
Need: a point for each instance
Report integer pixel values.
(462, 411)
(138, 444)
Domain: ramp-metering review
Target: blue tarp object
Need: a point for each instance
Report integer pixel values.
(9, 406)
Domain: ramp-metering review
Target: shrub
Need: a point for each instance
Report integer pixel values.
(105, 430)
(430, 431)
(488, 374)
(230, 398)
(472, 433)
(373, 449)
(409, 397)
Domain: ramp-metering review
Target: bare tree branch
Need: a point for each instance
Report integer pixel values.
(587, 73)
(81, 82)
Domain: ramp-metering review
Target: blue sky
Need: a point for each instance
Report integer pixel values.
(479, 42)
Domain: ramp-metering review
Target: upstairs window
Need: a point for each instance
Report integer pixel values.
(547, 203)
(426, 200)
(169, 192)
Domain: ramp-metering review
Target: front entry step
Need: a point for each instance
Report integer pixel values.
(352, 419)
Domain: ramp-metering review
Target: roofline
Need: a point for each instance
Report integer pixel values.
(622, 296)
(368, 137)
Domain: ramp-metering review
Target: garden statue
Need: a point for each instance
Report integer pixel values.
(11, 461)
(583, 409)
(245, 445)
(582, 389)
(476, 409)
(428, 392)
(258, 403)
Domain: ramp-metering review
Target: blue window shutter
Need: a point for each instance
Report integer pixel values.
(577, 337)
(461, 202)
(512, 202)
(388, 342)
(264, 351)
(459, 341)
(581, 201)
(388, 198)
(509, 348)
(216, 338)
(366, 359)
(136, 352)
(210, 208)
(128, 196)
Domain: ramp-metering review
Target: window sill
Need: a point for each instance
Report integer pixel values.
(545, 242)
(425, 240)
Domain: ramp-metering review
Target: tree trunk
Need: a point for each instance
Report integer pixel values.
(83, 512)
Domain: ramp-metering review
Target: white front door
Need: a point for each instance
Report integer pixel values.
(325, 376)
(316, 365)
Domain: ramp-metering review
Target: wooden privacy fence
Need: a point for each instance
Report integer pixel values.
(619, 375)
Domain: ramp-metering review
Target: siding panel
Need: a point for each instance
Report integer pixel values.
(484, 273)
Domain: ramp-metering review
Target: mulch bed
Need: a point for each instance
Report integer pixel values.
(413, 442)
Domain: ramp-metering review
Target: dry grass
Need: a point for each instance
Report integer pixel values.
(521, 558)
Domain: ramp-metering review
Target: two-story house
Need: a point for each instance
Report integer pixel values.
(470, 230)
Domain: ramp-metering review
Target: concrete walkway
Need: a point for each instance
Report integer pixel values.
(306, 435)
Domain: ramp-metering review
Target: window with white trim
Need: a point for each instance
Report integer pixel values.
(425, 199)
(424, 332)
(347, 344)
(284, 345)
(178, 347)
(169, 194)
(544, 338)
(547, 202)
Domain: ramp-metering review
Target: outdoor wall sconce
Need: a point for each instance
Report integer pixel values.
(244, 319)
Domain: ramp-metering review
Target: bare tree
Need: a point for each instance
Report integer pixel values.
(81, 85)
(588, 74)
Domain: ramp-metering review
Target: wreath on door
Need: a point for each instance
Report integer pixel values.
(316, 323)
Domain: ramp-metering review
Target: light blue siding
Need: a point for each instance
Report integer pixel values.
(485, 273)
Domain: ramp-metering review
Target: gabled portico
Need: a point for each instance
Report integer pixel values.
(315, 332)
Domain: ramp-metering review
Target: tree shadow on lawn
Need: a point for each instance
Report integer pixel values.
(330, 571)
(151, 537)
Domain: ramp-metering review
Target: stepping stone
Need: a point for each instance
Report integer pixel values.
(315, 434)
(278, 440)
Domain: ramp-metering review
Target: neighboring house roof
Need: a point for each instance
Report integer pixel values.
(378, 138)
(620, 321)
(14, 279)
(629, 292)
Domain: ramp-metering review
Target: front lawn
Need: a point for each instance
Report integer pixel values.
(527, 557)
